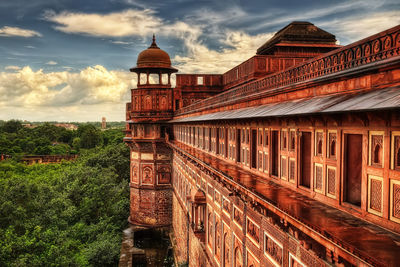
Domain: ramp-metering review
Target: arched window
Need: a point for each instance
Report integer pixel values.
(217, 240)
(319, 147)
(333, 148)
(398, 158)
(163, 103)
(226, 250)
(147, 102)
(238, 257)
(292, 143)
(377, 154)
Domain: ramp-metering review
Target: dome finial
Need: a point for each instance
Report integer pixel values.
(153, 44)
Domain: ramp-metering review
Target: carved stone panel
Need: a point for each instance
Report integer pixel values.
(375, 194)
(134, 173)
(396, 152)
(226, 205)
(331, 181)
(217, 198)
(238, 216)
(273, 250)
(147, 174)
(332, 144)
(284, 167)
(292, 172)
(164, 174)
(318, 180)
(319, 141)
(395, 200)
(253, 230)
(376, 150)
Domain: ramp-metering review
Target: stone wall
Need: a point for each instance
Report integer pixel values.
(151, 207)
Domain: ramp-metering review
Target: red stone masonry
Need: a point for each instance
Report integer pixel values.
(291, 158)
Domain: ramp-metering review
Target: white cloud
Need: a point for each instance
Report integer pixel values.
(121, 42)
(117, 24)
(12, 68)
(37, 89)
(358, 27)
(51, 62)
(200, 59)
(7, 31)
(65, 96)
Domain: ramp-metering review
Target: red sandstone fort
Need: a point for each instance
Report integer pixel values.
(291, 158)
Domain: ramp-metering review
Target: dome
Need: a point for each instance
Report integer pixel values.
(153, 57)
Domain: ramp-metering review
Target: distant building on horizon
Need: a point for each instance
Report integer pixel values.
(103, 123)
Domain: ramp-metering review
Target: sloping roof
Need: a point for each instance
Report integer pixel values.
(388, 98)
(298, 32)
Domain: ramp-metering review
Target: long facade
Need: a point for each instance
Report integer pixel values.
(291, 158)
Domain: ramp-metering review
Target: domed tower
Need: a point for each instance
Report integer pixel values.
(146, 131)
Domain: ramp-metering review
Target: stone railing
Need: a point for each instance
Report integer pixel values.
(245, 70)
(375, 48)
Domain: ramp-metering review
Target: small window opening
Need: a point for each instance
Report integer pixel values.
(377, 154)
(154, 78)
(319, 147)
(333, 148)
(398, 158)
(292, 143)
(200, 81)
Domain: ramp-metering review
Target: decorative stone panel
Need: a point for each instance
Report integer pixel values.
(375, 194)
(292, 170)
(331, 181)
(284, 167)
(318, 178)
(217, 198)
(395, 200)
(252, 260)
(253, 231)
(376, 148)
(273, 250)
(164, 174)
(265, 162)
(134, 173)
(210, 191)
(395, 151)
(226, 206)
(147, 174)
(238, 216)
(332, 144)
(319, 142)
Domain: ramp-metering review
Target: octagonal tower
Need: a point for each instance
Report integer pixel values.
(146, 130)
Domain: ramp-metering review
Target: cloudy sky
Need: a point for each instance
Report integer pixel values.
(69, 60)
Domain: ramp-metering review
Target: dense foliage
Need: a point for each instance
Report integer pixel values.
(47, 139)
(67, 214)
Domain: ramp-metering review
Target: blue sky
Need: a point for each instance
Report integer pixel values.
(68, 60)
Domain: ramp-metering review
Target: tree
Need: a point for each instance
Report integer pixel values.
(90, 136)
(11, 126)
